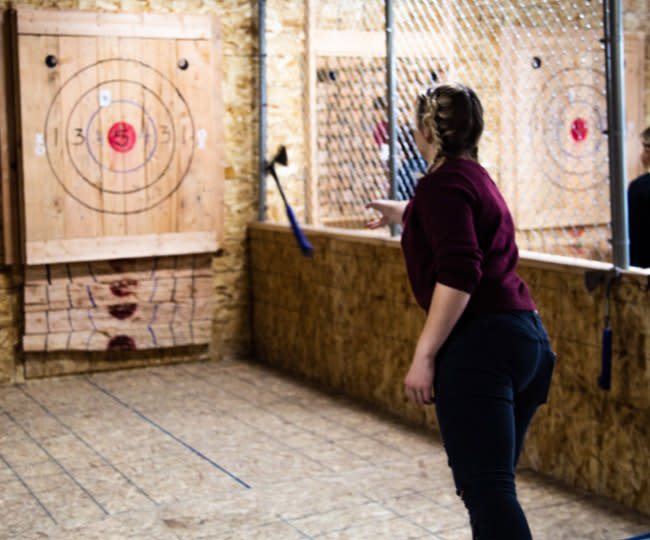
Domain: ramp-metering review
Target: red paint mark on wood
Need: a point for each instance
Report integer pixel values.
(121, 343)
(123, 287)
(122, 311)
(121, 137)
(579, 129)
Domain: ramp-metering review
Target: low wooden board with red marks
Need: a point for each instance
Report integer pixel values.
(119, 305)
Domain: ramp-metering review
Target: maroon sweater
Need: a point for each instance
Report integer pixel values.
(458, 231)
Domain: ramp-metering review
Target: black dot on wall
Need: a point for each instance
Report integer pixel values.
(51, 61)
(183, 64)
(536, 62)
(434, 76)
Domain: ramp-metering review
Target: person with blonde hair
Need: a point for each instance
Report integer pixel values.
(483, 355)
(638, 202)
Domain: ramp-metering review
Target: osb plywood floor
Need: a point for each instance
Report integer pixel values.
(232, 450)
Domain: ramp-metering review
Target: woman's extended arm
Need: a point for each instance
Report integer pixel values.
(447, 305)
(391, 212)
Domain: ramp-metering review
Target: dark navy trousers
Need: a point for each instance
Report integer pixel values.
(492, 374)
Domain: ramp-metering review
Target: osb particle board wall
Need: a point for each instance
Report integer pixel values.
(350, 324)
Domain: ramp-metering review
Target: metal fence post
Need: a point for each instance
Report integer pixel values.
(616, 130)
(392, 121)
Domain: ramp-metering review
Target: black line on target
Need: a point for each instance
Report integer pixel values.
(182, 176)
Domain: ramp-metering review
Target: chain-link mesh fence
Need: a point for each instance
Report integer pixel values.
(539, 70)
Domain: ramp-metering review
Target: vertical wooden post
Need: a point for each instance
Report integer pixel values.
(311, 118)
(8, 178)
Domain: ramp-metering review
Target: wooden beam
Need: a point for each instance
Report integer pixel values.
(634, 43)
(93, 23)
(311, 118)
(373, 44)
(120, 247)
(39, 297)
(107, 272)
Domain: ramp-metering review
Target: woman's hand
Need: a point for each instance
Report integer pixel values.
(391, 212)
(419, 380)
(447, 305)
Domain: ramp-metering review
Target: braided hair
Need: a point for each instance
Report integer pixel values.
(454, 116)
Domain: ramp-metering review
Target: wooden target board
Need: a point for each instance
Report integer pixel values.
(122, 141)
(554, 149)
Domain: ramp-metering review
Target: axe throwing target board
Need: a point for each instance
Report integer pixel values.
(121, 135)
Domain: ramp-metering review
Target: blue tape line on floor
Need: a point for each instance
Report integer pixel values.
(40, 503)
(168, 433)
(647, 535)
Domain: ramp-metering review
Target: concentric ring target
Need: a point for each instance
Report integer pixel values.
(122, 129)
(150, 135)
(568, 129)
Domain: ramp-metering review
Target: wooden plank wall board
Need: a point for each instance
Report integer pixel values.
(634, 43)
(140, 337)
(122, 134)
(121, 304)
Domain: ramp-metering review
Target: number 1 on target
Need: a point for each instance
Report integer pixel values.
(105, 98)
(39, 148)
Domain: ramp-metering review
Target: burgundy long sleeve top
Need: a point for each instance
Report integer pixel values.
(458, 231)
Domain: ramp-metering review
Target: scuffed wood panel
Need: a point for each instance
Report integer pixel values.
(119, 305)
(122, 136)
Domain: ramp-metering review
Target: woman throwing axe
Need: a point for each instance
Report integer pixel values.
(483, 352)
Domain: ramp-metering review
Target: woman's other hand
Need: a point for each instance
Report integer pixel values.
(391, 212)
(419, 380)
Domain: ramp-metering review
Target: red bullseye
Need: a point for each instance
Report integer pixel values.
(579, 129)
(121, 136)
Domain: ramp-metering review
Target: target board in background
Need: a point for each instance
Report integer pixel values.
(121, 121)
(553, 158)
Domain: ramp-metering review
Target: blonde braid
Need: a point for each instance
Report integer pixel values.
(431, 107)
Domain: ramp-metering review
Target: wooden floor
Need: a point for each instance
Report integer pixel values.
(233, 450)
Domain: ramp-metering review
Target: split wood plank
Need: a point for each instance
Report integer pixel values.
(140, 337)
(118, 316)
(343, 43)
(116, 269)
(89, 295)
(111, 247)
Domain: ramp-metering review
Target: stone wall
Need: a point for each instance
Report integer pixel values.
(345, 319)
